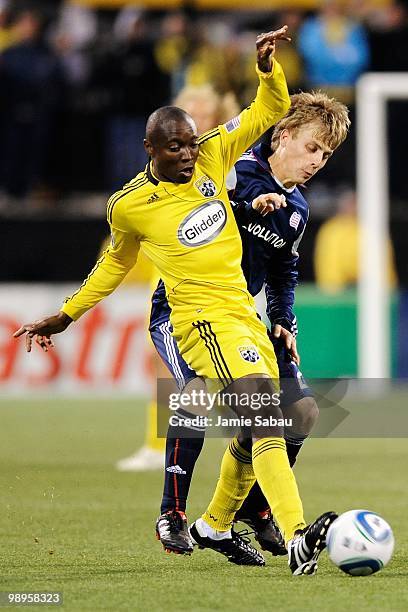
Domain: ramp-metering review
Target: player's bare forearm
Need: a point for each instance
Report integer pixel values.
(43, 329)
(266, 46)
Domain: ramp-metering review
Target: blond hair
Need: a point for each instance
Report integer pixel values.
(330, 116)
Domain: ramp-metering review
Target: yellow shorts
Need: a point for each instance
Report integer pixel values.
(226, 346)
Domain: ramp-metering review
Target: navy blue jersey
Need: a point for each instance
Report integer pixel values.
(269, 243)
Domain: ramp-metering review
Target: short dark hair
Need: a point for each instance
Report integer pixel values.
(157, 121)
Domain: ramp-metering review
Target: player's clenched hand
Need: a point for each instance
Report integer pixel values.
(266, 45)
(290, 341)
(268, 202)
(43, 329)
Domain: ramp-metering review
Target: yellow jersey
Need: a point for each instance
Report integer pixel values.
(187, 230)
(336, 254)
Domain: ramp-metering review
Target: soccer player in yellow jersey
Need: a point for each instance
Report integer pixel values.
(177, 211)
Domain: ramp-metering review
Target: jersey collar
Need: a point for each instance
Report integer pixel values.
(167, 185)
(287, 189)
(150, 174)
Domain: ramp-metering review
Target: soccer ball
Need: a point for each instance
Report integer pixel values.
(360, 542)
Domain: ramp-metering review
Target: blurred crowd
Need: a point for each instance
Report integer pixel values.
(76, 84)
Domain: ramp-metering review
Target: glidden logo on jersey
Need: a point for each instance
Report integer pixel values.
(203, 224)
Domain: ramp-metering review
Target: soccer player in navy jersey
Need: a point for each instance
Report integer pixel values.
(271, 213)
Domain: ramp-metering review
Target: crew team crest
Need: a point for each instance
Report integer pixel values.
(206, 186)
(249, 353)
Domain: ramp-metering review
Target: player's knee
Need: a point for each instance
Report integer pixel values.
(270, 409)
(266, 413)
(257, 400)
(304, 415)
(310, 412)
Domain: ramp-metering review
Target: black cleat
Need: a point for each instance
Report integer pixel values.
(306, 546)
(237, 549)
(172, 531)
(266, 532)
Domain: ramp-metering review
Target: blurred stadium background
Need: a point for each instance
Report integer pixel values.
(77, 82)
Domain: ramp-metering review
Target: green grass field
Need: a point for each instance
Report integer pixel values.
(71, 523)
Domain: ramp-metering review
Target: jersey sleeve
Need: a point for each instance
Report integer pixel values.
(109, 271)
(280, 285)
(280, 291)
(271, 103)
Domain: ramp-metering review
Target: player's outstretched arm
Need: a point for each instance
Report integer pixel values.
(43, 329)
(106, 276)
(109, 271)
(266, 47)
(271, 103)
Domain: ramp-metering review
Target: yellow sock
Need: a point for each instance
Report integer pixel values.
(235, 481)
(151, 439)
(278, 484)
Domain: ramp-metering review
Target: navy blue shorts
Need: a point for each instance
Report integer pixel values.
(166, 346)
(292, 383)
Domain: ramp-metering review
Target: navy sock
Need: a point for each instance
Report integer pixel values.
(183, 447)
(254, 503)
(293, 447)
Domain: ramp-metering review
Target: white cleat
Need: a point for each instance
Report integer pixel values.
(305, 548)
(146, 459)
